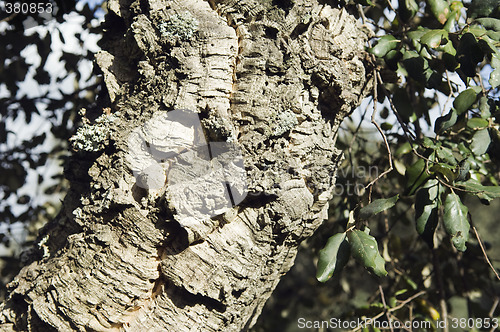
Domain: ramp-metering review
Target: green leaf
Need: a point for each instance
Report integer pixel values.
(452, 19)
(416, 35)
(405, 148)
(440, 9)
(364, 249)
(484, 107)
(463, 169)
(490, 23)
(455, 221)
(476, 123)
(445, 122)
(384, 45)
(495, 78)
(465, 100)
(416, 175)
(480, 142)
(495, 60)
(392, 58)
(377, 206)
(495, 74)
(484, 192)
(428, 143)
(447, 48)
(333, 257)
(433, 38)
(445, 170)
(446, 154)
(426, 210)
(399, 166)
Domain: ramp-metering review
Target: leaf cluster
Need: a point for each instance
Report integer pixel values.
(437, 80)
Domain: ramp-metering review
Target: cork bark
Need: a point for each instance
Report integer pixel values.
(277, 77)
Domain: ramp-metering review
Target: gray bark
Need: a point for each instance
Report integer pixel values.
(279, 80)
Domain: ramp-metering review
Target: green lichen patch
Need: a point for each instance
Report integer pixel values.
(181, 26)
(284, 122)
(92, 137)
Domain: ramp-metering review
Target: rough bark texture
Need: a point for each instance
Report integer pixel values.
(277, 75)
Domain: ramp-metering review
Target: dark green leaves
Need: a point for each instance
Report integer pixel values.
(465, 100)
(445, 122)
(333, 257)
(407, 9)
(364, 249)
(480, 142)
(483, 192)
(427, 204)
(384, 45)
(455, 221)
(462, 103)
(480, 8)
(377, 206)
(434, 38)
(477, 123)
(416, 176)
(440, 9)
(463, 169)
(469, 54)
(415, 65)
(490, 23)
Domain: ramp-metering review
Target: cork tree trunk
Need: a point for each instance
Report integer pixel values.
(272, 78)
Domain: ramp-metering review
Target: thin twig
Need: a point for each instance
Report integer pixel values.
(390, 310)
(409, 135)
(457, 188)
(9, 18)
(439, 279)
(484, 252)
(401, 323)
(450, 94)
(389, 154)
(408, 300)
(493, 307)
(382, 296)
(355, 135)
(375, 101)
(411, 315)
(361, 13)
